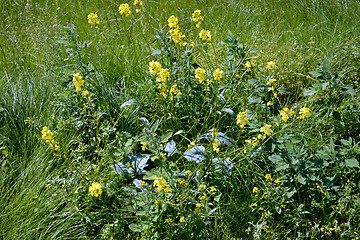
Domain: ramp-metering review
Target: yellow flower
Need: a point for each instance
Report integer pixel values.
(217, 74)
(268, 177)
(250, 64)
(270, 103)
(182, 219)
(173, 22)
(277, 181)
(203, 186)
(242, 119)
(182, 181)
(202, 198)
(286, 113)
(137, 10)
(196, 17)
(271, 65)
(199, 205)
(124, 9)
(205, 35)
(255, 190)
(136, 2)
(78, 82)
(254, 205)
(266, 129)
(157, 202)
(85, 93)
(142, 184)
(93, 19)
(275, 95)
(216, 145)
(304, 113)
(213, 189)
(95, 189)
(188, 172)
(169, 221)
(160, 183)
(271, 81)
(176, 35)
(154, 67)
(144, 146)
(200, 75)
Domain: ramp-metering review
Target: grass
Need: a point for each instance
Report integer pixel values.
(34, 66)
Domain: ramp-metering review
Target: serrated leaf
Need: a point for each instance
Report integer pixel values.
(196, 154)
(352, 162)
(300, 179)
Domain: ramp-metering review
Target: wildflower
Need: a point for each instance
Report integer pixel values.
(78, 82)
(95, 189)
(266, 129)
(242, 119)
(192, 44)
(283, 206)
(188, 172)
(93, 19)
(250, 64)
(160, 183)
(213, 189)
(205, 35)
(196, 17)
(254, 205)
(217, 74)
(157, 202)
(253, 143)
(271, 89)
(176, 35)
(144, 146)
(154, 67)
(163, 75)
(200, 75)
(203, 186)
(124, 9)
(275, 95)
(214, 133)
(136, 2)
(270, 103)
(199, 205)
(202, 198)
(271, 65)
(277, 181)
(268, 177)
(173, 22)
(286, 113)
(137, 10)
(182, 181)
(85, 93)
(47, 134)
(304, 113)
(255, 190)
(271, 81)
(174, 90)
(182, 219)
(169, 221)
(192, 144)
(216, 145)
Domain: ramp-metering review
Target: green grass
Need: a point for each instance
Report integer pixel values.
(34, 64)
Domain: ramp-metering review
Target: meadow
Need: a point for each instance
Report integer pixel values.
(191, 119)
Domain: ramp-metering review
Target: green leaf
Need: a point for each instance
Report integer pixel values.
(138, 227)
(352, 162)
(217, 197)
(315, 74)
(348, 90)
(156, 52)
(300, 179)
(310, 92)
(280, 163)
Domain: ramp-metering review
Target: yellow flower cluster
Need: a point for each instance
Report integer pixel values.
(175, 31)
(93, 19)
(205, 35)
(200, 75)
(47, 135)
(154, 67)
(242, 119)
(304, 113)
(169, 221)
(161, 185)
(271, 65)
(95, 189)
(218, 74)
(162, 75)
(216, 145)
(78, 81)
(124, 9)
(144, 146)
(266, 129)
(182, 181)
(182, 219)
(138, 2)
(249, 65)
(286, 113)
(196, 17)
